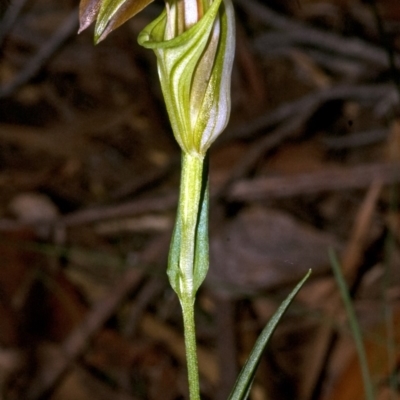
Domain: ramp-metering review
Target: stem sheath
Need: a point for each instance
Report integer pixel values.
(188, 261)
(189, 214)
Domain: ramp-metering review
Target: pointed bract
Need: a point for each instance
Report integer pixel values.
(113, 13)
(108, 14)
(88, 10)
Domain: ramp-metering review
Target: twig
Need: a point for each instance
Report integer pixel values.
(301, 33)
(330, 179)
(69, 26)
(10, 17)
(259, 148)
(367, 94)
(387, 44)
(352, 256)
(93, 215)
(350, 69)
(294, 115)
(356, 139)
(344, 47)
(140, 206)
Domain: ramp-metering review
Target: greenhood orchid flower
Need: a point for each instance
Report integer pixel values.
(195, 44)
(194, 41)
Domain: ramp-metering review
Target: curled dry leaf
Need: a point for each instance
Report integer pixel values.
(110, 14)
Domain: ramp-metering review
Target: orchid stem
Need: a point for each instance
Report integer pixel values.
(187, 305)
(189, 215)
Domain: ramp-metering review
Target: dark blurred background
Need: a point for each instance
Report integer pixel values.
(89, 176)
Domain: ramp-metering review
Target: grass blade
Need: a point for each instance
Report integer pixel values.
(354, 326)
(243, 384)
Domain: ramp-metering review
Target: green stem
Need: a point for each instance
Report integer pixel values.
(190, 234)
(190, 345)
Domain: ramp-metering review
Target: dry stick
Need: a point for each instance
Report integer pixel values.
(78, 340)
(140, 206)
(367, 94)
(329, 179)
(356, 139)
(269, 42)
(67, 28)
(305, 108)
(352, 69)
(360, 232)
(292, 116)
(92, 215)
(350, 47)
(351, 260)
(10, 17)
(260, 147)
(38, 139)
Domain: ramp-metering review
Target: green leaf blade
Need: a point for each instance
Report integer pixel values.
(245, 379)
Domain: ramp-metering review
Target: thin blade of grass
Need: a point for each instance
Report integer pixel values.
(354, 326)
(245, 379)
